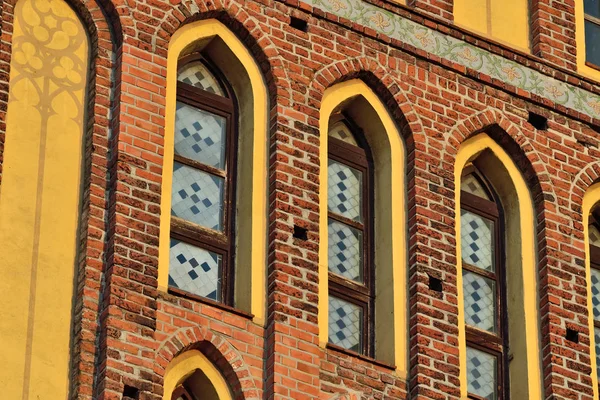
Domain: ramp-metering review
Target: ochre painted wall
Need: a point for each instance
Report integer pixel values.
(40, 198)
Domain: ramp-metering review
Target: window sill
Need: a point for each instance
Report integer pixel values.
(360, 356)
(209, 302)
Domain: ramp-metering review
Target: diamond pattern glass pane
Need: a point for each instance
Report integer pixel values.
(195, 270)
(200, 135)
(594, 235)
(481, 374)
(480, 304)
(470, 184)
(596, 293)
(197, 196)
(597, 346)
(344, 190)
(345, 324)
(476, 240)
(340, 130)
(196, 74)
(345, 251)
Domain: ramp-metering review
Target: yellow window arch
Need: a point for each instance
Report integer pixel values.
(367, 110)
(240, 69)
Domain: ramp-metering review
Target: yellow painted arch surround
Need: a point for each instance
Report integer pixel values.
(184, 365)
(469, 150)
(187, 35)
(590, 199)
(332, 98)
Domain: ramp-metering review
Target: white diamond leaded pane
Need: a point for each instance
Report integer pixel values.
(345, 324)
(340, 130)
(197, 196)
(200, 135)
(595, 293)
(470, 184)
(597, 347)
(345, 250)
(195, 270)
(594, 235)
(477, 240)
(481, 373)
(196, 74)
(344, 190)
(479, 299)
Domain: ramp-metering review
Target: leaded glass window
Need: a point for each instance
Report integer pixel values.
(203, 184)
(483, 288)
(594, 243)
(349, 238)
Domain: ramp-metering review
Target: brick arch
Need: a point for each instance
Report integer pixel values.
(579, 186)
(377, 78)
(217, 349)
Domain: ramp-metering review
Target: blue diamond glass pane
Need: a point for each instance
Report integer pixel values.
(197, 75)
(597, 347)
(345, 324)
(344, 190)
(595, 278)
(477, 238)
(481, 374)
(339, 130)
(345, 250)
(197, 197)
(186, 273)
(200, 135)
(479, 300)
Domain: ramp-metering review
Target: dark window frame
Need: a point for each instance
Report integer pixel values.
(487, 342)
(221, 243)
(360, 294)
(594, 262)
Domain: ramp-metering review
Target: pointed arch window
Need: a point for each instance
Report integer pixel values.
(594, 243)
(203, 185)
(484, 293)
(349, 236)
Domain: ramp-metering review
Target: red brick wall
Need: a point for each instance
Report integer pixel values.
(127, 332)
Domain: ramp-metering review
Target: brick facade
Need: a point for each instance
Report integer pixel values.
(126, 331)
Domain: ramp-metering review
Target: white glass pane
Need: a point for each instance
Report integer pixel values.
(345, 324)
(594, 235)
(481, 374)
(480, 301)
(340, 130)
(196, 74)
(344, 190)
(197, 196)
(200, 135)
(477, 238)
(470, 184)
(195, 270)
(345, 251)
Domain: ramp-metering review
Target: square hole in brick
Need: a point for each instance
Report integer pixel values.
(538, 121)
(300, 233)
(299, 24)
(572, 335)
(435, 284)
(131, 393)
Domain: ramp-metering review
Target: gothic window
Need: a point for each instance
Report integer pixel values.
(594, 239)
(483, 288)
(349, 231)
(202, 197)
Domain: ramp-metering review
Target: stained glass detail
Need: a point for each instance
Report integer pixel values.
(345, 324)
(344, 190)
(195, 270)
(595, 275)
(479, 301)
(197, 196)
(345, 250)
(594, 235)
(477, 240)
(481, 373)
(471, 184)
(597, 347)
(200, 135)
(196, 74)
(340, 130)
